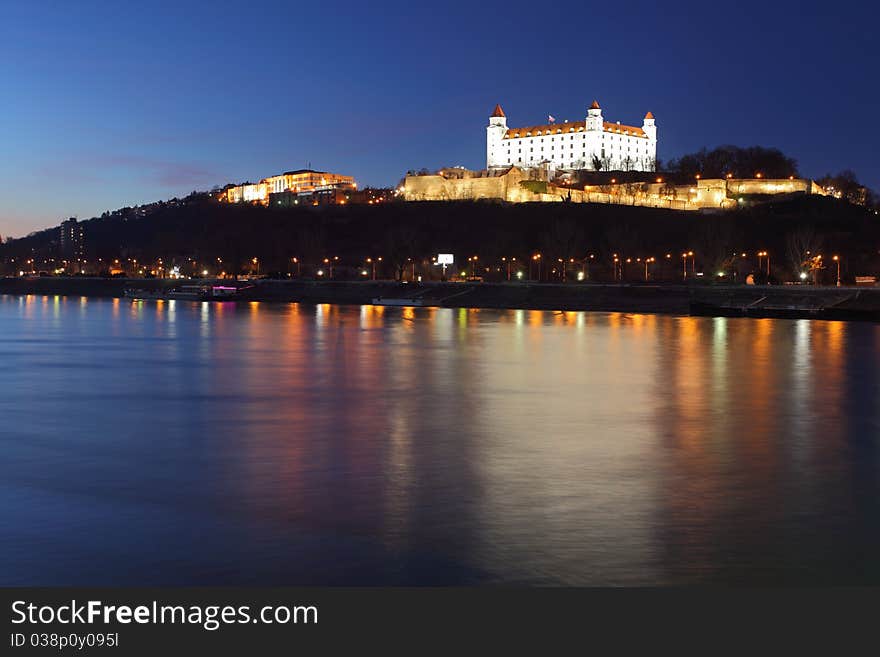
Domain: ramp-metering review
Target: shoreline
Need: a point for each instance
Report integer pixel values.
(805, 302)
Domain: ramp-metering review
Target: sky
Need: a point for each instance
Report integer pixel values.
(108, 104)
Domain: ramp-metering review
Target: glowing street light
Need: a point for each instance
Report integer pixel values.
(648, 261)
(372, 262)
(473, 261)
(837, 260)
(509, 262)
(764, 254)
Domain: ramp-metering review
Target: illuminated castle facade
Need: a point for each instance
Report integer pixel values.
(593, 144)
(303, 182)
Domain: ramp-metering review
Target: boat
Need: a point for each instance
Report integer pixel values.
(185, 293)
(392, 301)
(138, 293)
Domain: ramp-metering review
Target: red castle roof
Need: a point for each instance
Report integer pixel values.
(571, 126)
(498, 111)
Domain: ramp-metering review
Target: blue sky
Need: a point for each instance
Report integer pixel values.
(111, 104)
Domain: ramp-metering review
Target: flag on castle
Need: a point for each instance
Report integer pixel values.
(551, 118)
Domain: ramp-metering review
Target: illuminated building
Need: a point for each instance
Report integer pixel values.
(71, 240)
(592, 144)
(291, 183)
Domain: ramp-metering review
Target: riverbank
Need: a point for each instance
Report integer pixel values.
(751, 301)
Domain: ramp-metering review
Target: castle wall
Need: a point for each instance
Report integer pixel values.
(439, 188)
(717, 194)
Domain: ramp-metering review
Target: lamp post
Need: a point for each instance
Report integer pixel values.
(648, 261)
(684, 266)
(473, 261)
(537, 258)
(509, 262)
(372, 262)
(764, 254)
(837, 260)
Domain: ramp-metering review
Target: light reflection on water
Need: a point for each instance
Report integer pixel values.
(194, 443)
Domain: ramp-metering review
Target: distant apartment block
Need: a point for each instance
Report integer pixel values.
(289, 187)
(71, 240)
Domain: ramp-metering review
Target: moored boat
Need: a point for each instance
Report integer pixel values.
(392, 301)
(185, 293)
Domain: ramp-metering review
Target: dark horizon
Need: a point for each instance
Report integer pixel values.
(114, 108)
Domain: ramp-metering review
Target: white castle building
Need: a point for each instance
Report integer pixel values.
(590, 144)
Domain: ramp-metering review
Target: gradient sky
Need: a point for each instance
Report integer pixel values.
(107, 104)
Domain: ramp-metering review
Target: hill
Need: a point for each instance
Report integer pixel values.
(202, 233)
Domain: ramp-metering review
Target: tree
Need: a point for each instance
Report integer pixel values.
(597, 162)
(735, 160)
(801, 245)
(846, 185)
(563, 240)
(402, 246)
(714, 241)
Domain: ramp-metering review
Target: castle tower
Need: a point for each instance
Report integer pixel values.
(593, 136)
(594, 117)
(494, 134)
(650, 129)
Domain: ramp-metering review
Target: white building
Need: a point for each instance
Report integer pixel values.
(590, 144)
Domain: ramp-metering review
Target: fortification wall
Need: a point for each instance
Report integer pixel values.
(438, 188)
(718, 194)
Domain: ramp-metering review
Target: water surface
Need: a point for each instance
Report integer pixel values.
(194, 443)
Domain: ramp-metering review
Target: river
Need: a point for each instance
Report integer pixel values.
(184, 443)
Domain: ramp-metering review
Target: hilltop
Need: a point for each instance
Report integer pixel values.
(202, 232)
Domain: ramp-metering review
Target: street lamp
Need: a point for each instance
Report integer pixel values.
(647, 262)
(509, 262)
(837, 260)
(764, 254)
(372, 262)
(537, 258)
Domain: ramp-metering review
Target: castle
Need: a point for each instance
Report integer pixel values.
(592, 144)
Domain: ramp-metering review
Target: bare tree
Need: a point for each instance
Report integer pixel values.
(801, 245)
